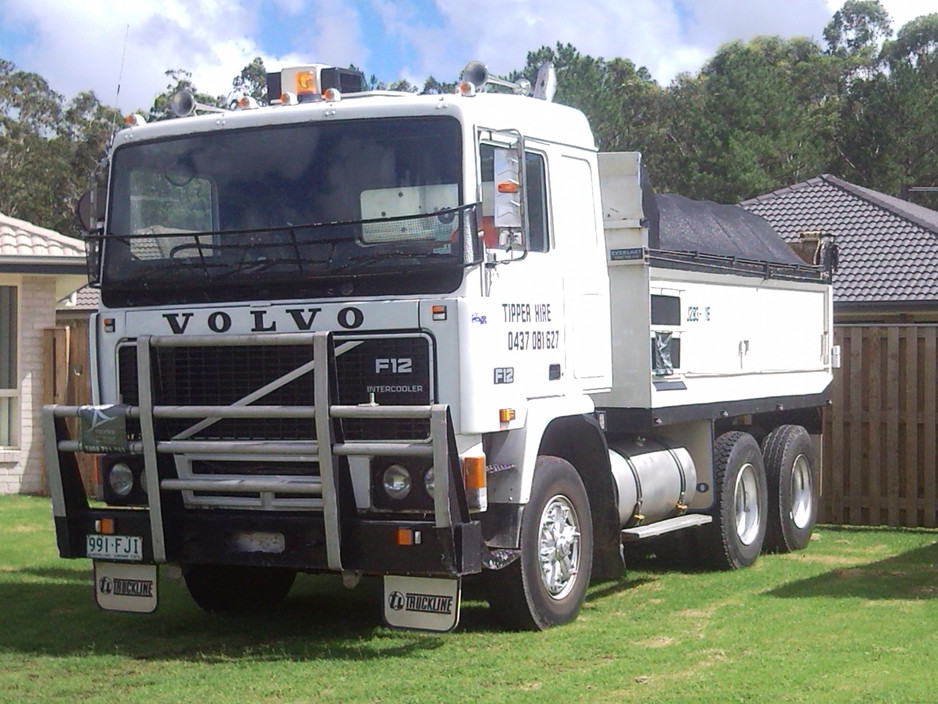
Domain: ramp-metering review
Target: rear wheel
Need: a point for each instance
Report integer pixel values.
(735, 537)
(790, 470)
(546, 586)
(236, 587)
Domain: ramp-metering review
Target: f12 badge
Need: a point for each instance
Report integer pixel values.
(504, 375)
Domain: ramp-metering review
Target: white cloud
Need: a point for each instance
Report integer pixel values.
(79, 46)
(666, 37)
(331, 33)
(720, 21)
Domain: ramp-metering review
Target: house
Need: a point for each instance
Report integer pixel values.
(37, 268)
(881, 433)
(887, 247)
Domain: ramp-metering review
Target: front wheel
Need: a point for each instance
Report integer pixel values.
(790, 470)
(546, 586)
(734, 539)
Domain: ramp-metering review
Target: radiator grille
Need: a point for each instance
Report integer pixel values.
(397, 370)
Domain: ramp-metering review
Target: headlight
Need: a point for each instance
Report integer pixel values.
(428, 481)
(397, 481)
(121, 479)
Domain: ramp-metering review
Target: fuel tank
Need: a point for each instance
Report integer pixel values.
(654, 480)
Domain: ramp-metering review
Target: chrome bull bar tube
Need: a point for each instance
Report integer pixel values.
(323, 450)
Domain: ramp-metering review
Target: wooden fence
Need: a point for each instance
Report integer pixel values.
(880, 433)
(65, 381)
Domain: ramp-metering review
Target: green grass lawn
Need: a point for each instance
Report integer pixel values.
(854, 618)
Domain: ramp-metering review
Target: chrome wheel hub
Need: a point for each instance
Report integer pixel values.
(747, 505)
(559, 546)
(802, 493)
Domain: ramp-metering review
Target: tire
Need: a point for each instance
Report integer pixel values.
(735, 537)
(232, 588)
(547, 584)
(790, 463)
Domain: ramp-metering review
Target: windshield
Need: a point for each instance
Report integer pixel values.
(364, 207)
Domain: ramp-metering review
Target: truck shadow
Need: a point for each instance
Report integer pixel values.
(50, 611)
(912, 575)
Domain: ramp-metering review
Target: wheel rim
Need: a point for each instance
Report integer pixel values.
(747, 505)
(802, 493)
(559, 546)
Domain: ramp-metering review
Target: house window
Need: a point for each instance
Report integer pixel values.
(9, 378)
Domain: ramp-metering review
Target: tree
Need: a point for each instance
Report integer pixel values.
(857, 29)
(915, 45)
(620, 99)
(887, 138)
(252, 81)
(31, 161)
(47, 148)
(431, 86)
(759, 114)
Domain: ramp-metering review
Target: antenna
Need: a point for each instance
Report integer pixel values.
(120, 74)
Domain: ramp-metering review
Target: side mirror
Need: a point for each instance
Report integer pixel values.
(508, 193)
(90, 210)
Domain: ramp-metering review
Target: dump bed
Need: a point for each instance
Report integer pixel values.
(734, 322)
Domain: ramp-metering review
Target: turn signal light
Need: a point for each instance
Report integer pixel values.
(474, 479)
(506, 415)
(508, 187)
(406, 536)
(104, 526)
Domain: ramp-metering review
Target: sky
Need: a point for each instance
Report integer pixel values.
(121, 50)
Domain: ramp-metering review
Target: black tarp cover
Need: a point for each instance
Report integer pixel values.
(704, 227)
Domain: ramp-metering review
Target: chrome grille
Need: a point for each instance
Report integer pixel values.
(274, 375)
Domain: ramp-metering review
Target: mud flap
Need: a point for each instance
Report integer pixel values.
(125, 587)
(422, 603)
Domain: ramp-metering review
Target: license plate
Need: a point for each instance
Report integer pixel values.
(114, 547)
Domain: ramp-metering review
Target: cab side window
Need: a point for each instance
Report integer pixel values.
(536, 204)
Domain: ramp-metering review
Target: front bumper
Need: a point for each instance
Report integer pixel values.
(333, 537)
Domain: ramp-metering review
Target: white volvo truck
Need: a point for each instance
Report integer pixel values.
(427, 338)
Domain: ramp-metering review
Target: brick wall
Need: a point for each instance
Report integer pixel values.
(21, 469)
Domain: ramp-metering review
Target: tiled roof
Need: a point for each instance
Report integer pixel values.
(888, 247)
(85, 299)
(19, 238)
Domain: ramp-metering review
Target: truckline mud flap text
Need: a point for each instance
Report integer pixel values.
(422, 603)
(125, 587)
